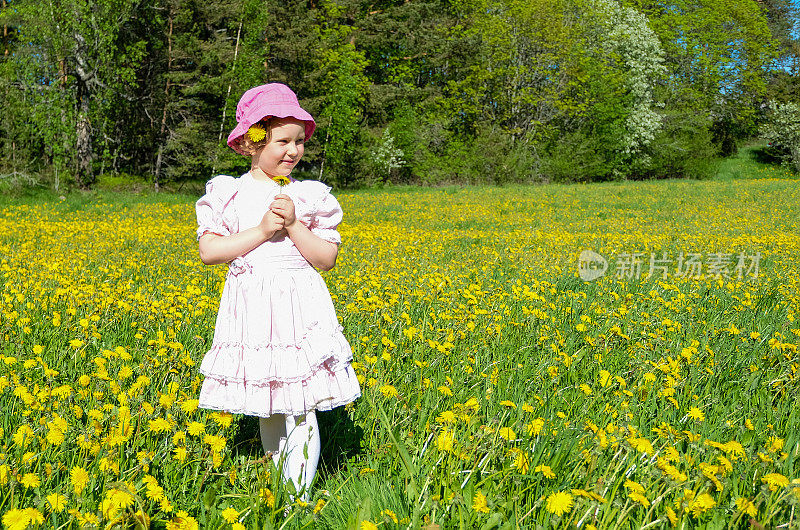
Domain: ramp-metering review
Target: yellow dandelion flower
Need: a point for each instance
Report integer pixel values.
(479, 503)
(775, 444)
(507, 434)
(268, 497)
(34, 516)
(672, 516)
(734, 449)
(16, 519)
(746, 506)
(559, 503)
(445, 440)
(521, 461)
(57, 502)
(638, 497)
(23, 435)
(367, 525)
(546, 471)
(701, 504)
(195, 428)
(79, 478)
(217, 443)
(190, 405)
(155, 492)
(183, 521)
(230, 514)
(388, 391)
(696, 414)
(55, 436)
(535, 427)
(445, 390)
(223, 419)
(180, 453)
(447, 416)
(775, 481)
(20, 519)
(31, 480)
(257, 132)
(642, 445)
(634, 486)
(159, 425)
(589, 495)
(120, 498)
(281, 180)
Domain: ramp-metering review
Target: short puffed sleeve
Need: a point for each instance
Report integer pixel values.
(319, 210)
(326, 219)
(214, 209)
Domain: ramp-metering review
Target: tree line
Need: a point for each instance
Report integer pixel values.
(403, 91)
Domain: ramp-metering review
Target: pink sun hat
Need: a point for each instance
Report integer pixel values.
(272, 99)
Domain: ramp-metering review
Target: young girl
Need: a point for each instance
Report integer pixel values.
(278, 351)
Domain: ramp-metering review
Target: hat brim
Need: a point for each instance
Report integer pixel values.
(278, 111)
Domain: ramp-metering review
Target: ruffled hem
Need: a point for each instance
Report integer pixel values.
(322, 391)
(237, 362)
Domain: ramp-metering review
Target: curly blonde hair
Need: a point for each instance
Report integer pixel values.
(247, 146)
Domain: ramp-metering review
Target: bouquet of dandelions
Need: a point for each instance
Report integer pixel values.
(256, 133)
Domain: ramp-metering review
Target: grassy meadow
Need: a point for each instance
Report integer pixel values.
(499, 389)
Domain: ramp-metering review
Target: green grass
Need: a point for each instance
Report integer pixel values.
(753, 160)
(489, 370)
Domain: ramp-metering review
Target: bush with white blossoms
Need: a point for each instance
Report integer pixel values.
(625, 33)
(386, 156)
(782, 131)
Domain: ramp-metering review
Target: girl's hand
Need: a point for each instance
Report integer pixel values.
(271, 224)
(284, 207)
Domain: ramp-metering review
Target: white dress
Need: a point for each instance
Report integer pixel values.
(278, 347)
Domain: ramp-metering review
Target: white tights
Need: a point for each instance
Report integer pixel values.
(291, 438)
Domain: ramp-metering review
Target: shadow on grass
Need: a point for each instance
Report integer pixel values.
(341, 439)
(247, 439)
(766, 155)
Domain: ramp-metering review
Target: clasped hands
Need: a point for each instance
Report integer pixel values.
(280, 216)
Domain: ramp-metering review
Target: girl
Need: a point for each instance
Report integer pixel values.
(278, 351)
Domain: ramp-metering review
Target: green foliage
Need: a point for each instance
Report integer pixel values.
(403, 129)
(469, 90)
(683, 149)
(76, 61)
(716, 53)
(341, 117)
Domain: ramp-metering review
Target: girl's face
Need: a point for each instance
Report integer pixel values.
(284, 148)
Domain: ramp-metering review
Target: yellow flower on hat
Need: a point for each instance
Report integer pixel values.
(257, 132)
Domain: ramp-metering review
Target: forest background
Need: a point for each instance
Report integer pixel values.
(414, 91)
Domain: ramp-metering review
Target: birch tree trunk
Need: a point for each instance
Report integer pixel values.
(159, 158)
(84, 175)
